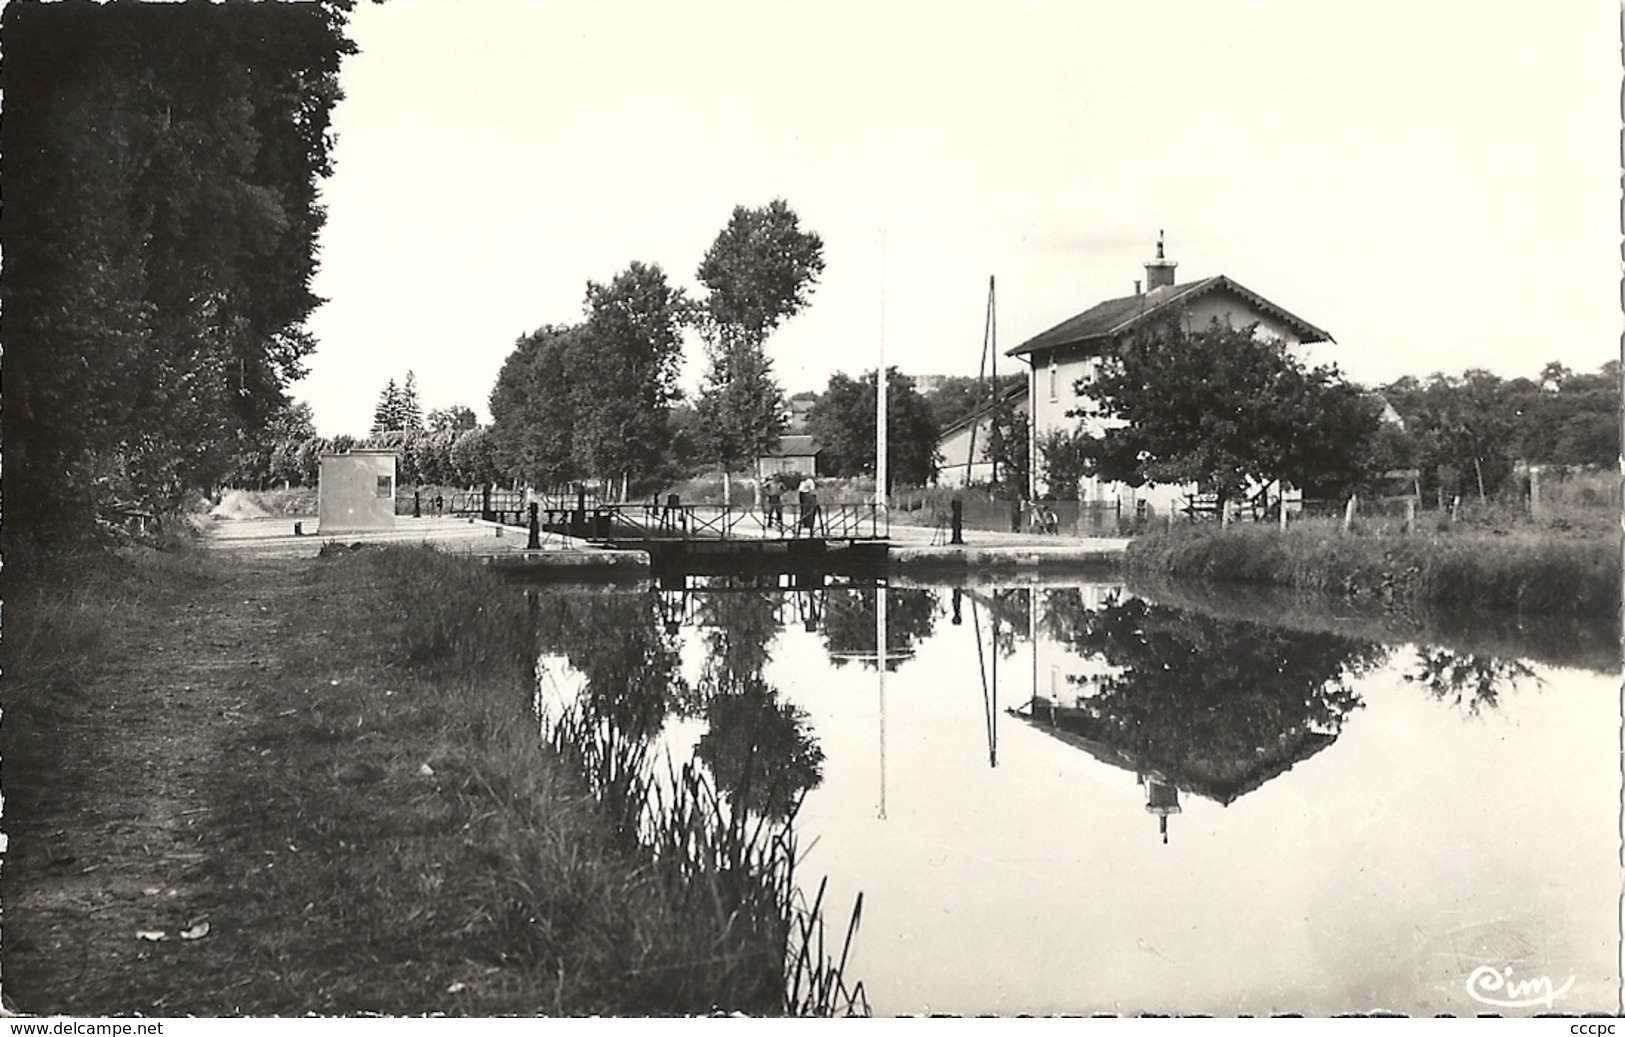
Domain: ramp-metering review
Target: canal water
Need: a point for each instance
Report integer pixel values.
(1072, 798)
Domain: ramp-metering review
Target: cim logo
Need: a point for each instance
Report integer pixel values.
(1489, 985)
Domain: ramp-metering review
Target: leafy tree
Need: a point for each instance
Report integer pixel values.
(533, 407)
(629, 369)
(758, 272)
(474, 458)
(1007, 448)
(843, 422)
(958, 397)
(742, 411)
(162, 163)
(1064, 458)
(1224, 408)
(1462, 428)
(451, 419)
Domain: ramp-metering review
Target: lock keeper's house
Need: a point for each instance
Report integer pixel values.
(1070, 353)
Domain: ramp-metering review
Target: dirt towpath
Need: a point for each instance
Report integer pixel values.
(114, 900)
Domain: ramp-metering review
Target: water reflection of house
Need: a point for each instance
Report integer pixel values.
(1065, 703)
(1221, 778)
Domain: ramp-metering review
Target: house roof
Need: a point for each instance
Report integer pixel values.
(794, 446)
(1114, 317)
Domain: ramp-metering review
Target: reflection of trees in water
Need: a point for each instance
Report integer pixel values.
(760, 750)
(618, 644)
(1465, 681)
(849, 623)
(740, 626)
(1221, 704)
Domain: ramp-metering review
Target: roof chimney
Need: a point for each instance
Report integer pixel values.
(1159, 272)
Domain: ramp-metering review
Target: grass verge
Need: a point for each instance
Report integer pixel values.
(1526, 571)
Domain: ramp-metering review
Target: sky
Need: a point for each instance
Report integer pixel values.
(1434, 182)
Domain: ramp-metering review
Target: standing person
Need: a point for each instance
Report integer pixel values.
(773, 503)
(807, 501)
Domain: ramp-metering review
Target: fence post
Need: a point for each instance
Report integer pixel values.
(535, 528)
(1534, 491)
(417, 504)
(1455, 502)
(1283, 506)
(1410, 515)
(486, 513)
(1349, 511)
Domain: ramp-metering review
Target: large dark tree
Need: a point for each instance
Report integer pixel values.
(1224, 408)
(533, 407)
(843, 422)
(160, 231)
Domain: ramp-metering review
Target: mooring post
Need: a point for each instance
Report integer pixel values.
(417, 504)
(957, 521)
(1410, 515)
(535, 540)
(485, 504)
(1349, 511)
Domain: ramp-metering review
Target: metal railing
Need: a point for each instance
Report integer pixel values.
(718, 522)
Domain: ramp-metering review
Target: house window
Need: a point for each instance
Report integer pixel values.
(1054, 380)
(386, 486)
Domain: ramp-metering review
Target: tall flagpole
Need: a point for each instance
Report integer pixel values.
(880, 394)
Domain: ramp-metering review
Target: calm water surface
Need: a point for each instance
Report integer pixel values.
(1075, 799)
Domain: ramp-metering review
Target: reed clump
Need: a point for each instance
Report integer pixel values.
(1522, 569)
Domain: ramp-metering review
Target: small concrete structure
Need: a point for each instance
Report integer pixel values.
(356, 491)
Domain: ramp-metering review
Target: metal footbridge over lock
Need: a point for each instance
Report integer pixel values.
(670, 528)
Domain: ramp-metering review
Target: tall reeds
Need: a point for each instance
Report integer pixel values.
(727, 875)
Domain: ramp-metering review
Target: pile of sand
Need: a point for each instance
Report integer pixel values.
(236, 505)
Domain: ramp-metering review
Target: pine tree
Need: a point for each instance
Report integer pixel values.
(386, 416)
(411, 411)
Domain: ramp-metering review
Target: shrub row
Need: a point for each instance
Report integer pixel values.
(1524, 571)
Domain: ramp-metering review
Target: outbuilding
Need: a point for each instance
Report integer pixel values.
(356, 491)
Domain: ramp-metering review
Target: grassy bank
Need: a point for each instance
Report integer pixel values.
(335, 764)
(1524, 570)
